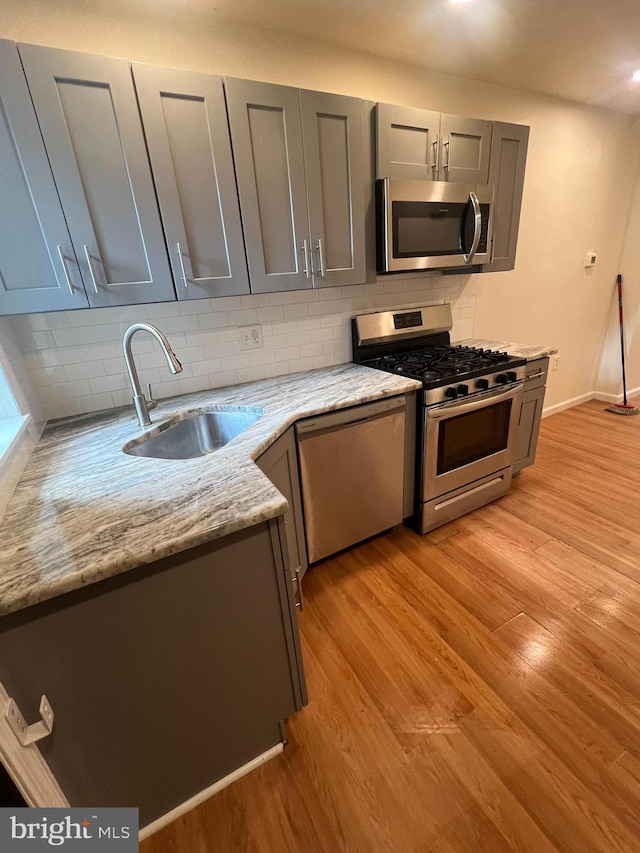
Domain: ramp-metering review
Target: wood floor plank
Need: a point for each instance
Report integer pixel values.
(475, 689)
(564, 665)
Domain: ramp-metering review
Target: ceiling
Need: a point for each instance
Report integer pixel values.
(584, 50)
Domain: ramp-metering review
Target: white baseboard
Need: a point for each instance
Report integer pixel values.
(615, 398)
(185, 807)
(568, 404)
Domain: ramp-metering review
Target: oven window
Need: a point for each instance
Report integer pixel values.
(464, 439)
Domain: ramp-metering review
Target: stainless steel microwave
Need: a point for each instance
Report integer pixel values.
(432, 224)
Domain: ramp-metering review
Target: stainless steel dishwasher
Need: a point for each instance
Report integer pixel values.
(352, 474)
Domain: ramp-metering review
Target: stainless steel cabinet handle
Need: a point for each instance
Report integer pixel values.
(184, 275)
(320, 249)
(305, 249)
(534, 376)
(477, 224)
(300, 600)
(64, 269)
(436, 150)
(91, 272)
(446, 145)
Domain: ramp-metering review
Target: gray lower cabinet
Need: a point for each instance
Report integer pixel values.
(300, 170)
(415, 144)
(38, 266)
(530, 413)
(280, 464)
(163, 679)
(185, 124)
(88, 116)
(506, 173)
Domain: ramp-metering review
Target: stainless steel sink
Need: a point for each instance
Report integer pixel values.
(196, 435)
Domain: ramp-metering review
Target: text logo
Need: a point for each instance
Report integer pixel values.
(79, 830)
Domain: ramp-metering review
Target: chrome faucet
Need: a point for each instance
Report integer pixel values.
(139, 400)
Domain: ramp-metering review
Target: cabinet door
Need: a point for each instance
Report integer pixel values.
(407, 143)
(506, 173)
(38, 268)
(266, 135)
(88, 115)
(334, 167)
(530, 414)
(465, 145)
(280, 464)
(194, 178)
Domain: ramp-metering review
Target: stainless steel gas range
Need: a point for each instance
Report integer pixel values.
(467, 413)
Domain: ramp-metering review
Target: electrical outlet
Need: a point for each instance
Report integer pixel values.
(555, 362)
(250, 337)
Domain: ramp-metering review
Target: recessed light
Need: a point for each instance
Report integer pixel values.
(459, 2)
(636, 76)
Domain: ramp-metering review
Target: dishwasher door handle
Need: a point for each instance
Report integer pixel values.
(349, 417)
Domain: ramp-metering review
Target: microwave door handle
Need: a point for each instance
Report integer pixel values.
(477, 222)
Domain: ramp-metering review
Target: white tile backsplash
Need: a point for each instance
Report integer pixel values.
(76, 364)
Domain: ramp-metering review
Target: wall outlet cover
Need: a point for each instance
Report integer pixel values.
(250, 337)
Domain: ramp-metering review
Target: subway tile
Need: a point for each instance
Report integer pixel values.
(103, 384)
(233, 362)
(58, 409)
(262, 356)
(274, 312)
(254, 300)
(182, 323)
(244, 317)
(318, 309)
(324, 360)
(297, 338)
(284, 298)
(73, 336)
(323, 334)
(53, 357)
(159, 310)
(31, 341)
(171, 388)
(204, 368)
(194, 306)
(298, 309)
(108, 332)
(219, 350)
(48, 375)
(307, 350)
(288, 354)
(227, 303)
(193, 384)
(213, 320)
(63, 391)
(275, 341)
(284, 328)
(223, 378)
(250, 374)
(94, 403)
(278, 368)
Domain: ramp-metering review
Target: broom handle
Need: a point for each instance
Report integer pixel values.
(624, 376)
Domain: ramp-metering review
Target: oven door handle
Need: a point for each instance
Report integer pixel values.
(454, 408)
(477, 227)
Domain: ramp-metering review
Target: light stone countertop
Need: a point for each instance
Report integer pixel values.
(528, 351)
(83, 510)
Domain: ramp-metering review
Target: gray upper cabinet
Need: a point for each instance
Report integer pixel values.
(465, 144)
(300, 169)
(406, 143)
(185, 124)
(88, 116)
(38, 267)
(335, 171)
(506, 173)
(421, 145)
(266, 133)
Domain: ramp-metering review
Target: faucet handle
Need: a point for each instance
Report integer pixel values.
(151, 403)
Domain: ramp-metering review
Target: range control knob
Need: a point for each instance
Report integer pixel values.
(451, 393)
(463, 390)
(501, 379)
(512, 376)
(482, 384)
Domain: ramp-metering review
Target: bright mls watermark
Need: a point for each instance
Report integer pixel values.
(79, 830)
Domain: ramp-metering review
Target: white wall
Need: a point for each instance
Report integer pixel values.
(581, 171)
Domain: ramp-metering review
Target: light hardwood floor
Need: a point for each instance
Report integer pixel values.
(477, 689)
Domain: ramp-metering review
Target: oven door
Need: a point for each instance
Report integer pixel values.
(464, 441)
